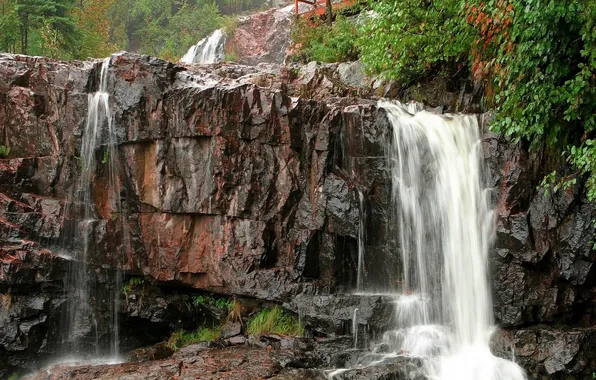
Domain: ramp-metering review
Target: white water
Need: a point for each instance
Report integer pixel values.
(361, 241)
(209, 50)
(444, 311)
(355, 327)
(82, 319)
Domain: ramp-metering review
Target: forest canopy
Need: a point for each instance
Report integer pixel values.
(78, 29)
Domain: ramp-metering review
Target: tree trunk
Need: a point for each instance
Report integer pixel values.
(329, 12)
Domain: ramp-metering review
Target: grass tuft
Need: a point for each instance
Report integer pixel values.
(183, 338)
(275, 321)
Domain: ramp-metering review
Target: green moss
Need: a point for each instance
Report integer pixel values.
(275, 321)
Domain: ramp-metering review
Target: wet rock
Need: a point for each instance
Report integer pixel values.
(333, 314)
(261, 37)
(231, 329)
(550, 353)
(399, 368)
(192, 350)
(156, 352)
(236, 340)
(352, 74)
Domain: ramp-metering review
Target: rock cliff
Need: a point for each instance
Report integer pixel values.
(244, 181)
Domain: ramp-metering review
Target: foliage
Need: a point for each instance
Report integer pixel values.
(74, 29)
(319, 42)
(535, 58)
(106, 157)
(229, 24)
(166, 28)
(4, 151)
(9, 24)
(46, 27)
(222, 303)
(403, 40)
(183, 338)
(135, 285)
(91, 19)
(14, 376)
(275, 321)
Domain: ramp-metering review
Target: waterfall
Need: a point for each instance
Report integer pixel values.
(361, 240)
(209, 50)
(443, 312)
(355, 328)
(81, 323)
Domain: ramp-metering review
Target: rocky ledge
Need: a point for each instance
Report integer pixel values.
(244, 181)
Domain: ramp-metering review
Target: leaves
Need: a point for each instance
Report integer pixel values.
(536, 60)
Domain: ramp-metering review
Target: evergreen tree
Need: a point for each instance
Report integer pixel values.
(51, 20)
(9, 25)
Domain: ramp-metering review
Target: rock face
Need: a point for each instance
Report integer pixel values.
(244, 181)
(261, 37)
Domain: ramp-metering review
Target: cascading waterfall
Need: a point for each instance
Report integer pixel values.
(445, 222)
(81, 318)
(209, 50)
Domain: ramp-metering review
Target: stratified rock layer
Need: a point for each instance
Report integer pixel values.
(235, 182)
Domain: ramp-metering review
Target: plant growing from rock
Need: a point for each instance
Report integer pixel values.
(275, 321)
(182, 338)
(135, 286)
(4, 151)
(217, 302)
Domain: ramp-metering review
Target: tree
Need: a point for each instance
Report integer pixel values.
(53, 16)
(91, 19)
(9, 25)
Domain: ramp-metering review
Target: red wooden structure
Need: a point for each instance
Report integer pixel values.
(319, 6)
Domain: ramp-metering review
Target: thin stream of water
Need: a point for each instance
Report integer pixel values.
(82, 320)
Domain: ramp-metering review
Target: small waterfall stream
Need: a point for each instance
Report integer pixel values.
(443, 311)
(82, 320)
(209, 50)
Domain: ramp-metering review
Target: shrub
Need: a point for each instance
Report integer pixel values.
(319, 42)
(275, 321)
(229, 24)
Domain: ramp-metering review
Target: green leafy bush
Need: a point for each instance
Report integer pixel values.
(319, 42)
(404, 39)
(536, 60)
(275, 321)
